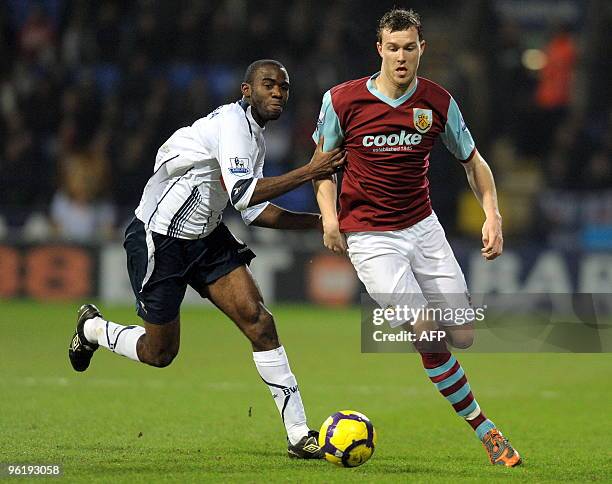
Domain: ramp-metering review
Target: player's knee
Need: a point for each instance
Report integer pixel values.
(463, 343)
(462, 339)
(162, 358)
(260, 328)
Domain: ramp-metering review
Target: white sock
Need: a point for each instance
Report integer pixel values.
(273, 368)
(117, 338)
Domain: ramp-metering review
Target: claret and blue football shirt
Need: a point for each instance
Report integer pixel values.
(388, 144)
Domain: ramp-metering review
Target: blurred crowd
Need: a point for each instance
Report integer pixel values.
(90, 89)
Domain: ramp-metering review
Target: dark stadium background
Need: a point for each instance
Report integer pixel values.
(90, 89)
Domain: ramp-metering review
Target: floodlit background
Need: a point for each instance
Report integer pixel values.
(90, 89)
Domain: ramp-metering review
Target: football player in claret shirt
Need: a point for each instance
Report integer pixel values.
(388, 123)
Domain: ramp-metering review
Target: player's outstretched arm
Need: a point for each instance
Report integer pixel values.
(325, 191)
(481, 181)
(321, 164)
(274, 217)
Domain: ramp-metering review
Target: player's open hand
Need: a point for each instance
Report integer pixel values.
(492, 238)
(333, 239)
(325, 163)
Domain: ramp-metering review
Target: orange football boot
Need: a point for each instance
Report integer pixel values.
(500, 451)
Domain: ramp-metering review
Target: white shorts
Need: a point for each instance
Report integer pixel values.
(412, 267)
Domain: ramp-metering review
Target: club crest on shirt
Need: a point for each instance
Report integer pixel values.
(239, 166)
(423, 119)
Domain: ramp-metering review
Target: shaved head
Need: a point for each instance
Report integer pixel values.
(249, 75)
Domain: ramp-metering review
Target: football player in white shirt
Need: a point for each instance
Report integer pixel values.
(177, 239)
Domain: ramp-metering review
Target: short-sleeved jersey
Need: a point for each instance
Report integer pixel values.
(388, 143)
(199, 169)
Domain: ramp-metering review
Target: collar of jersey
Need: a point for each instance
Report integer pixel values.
(391, 102)
(249, 115)
(254, 124)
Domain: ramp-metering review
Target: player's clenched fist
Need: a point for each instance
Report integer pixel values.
(325, 163)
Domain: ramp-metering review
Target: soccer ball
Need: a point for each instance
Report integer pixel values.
(348, 438)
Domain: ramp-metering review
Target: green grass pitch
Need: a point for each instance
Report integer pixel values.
(208, 417)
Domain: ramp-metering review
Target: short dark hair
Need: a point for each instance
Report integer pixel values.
(399, 19)
(249, 74)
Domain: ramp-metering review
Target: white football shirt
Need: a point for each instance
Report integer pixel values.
(200, 168)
